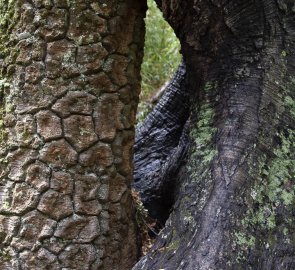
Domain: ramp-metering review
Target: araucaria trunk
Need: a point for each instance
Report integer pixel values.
(69, 90)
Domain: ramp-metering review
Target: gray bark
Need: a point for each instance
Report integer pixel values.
(234, 207)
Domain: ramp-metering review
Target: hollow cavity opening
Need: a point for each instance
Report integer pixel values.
(161, 59)
(160, 125)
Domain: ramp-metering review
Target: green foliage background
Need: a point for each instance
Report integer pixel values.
(161, 52)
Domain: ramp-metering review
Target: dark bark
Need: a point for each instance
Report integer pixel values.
(235, 197)
(160, 146)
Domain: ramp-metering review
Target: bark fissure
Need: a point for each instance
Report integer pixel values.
(70, 85)
(160, 147)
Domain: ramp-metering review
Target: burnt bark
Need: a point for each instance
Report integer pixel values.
(234, 207)
(160, 146)
(69, 88)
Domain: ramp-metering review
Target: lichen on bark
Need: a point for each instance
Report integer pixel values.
(271, 201)
(9, 17)
(64, 175)
(268, 223)
(202, 134)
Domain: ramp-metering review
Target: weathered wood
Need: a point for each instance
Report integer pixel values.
(160, 147)
(235, 200)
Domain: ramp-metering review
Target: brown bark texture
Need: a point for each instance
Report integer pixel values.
(234, 206)
(69, 91)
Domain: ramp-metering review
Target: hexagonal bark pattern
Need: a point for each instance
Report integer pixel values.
(55, 205)
(108, 116)
(25, 129)
(75, 102)
(59, 154)
(79, 130)
(24, 198)
(78, 228)
(91, 57)
(38, 175)
(8, 227)
(117, 188)
(60, 59)
(52, 24)
(62, 115)
(18, 161)
(62, 182)
(75, 256)
(48, 125)
(87, 27)
(43, 260)
(34, 227)
(86, 199)
(98, 155)
(116, 67)
(37, 96)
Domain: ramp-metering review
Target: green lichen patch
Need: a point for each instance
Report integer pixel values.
(173, 246)
(4, 85)
(272, 197)
(202, 134)
(290, 105)
(209, 86)
(9, 13)
(5, 255)
(289, 102)
(244, 241)
(9, 17)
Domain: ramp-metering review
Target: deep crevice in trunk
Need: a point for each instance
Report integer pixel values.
(234, 203)
(160, 147)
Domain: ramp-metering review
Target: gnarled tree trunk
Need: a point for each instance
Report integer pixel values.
(234, 205)
(160, 145)
(69, 91)
(69, 87)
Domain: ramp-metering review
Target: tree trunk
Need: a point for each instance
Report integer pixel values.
(235, 195)
(160, 145)
(69, 91)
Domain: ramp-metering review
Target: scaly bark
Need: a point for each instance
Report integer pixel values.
(69, 91)
(235, 204)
